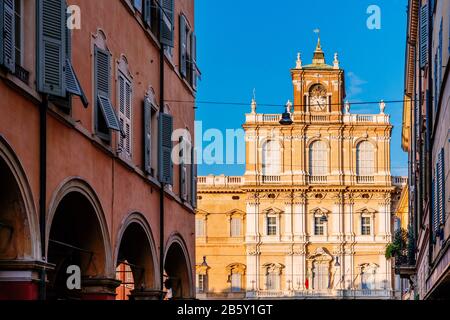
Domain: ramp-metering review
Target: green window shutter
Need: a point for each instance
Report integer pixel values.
(51, 47)
(165, 148)
(195, 72)
(183, 46)
(423, 36)
(102, 84)
(147, 135)
(7, 35)
(183, 173)
(193, 178)
(148, 12)
(442, 188)
(167, 22)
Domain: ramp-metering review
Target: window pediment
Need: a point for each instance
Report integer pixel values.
(321, 255)
(236, 268)
(273, 268)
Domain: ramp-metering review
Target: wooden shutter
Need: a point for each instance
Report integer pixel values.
(193, 178)
(165, 148)
(7, 35)
(441, 187)
(183, 173)
(195, 72)
(51, 47)
(423, 36)
(125, 113)
(183, 46)
(147, 135)
(166, 29)
(148, 12)
(102, 84)
(434, 202)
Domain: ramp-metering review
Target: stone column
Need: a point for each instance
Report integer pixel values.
(252, 271)
(19, 280)
(287, 236)
(299, 217)
(252, 229)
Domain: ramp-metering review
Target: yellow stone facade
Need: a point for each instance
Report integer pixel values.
(312, 214)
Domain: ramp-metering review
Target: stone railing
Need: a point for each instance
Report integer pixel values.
(220, 181)
(399, 181)
(365, 179)
(263, 118)
(271, 179)
(318, 179)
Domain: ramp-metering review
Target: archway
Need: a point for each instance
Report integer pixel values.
(78, 237)
(177, 270)
(136, 266)
(19, 235)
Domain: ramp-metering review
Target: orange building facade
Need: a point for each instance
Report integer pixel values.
(86, 120)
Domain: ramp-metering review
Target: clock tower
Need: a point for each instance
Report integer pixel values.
(318, 87)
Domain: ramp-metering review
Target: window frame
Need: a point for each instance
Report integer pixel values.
(319, 167)
(271, 225)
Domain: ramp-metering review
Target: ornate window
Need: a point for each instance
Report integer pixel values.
(368, 276)
(318, 159)
(318, 267)
(321, 275)
(271, 158)
(365, 159)
(365, 226)
(202, 276)
(236, 272)
(319, 226)
(367, 218)
(272, 226)
(235, 227)
(201, 283)
(273, 276)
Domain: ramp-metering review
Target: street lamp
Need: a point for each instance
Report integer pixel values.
(337, 264)
(286, 119)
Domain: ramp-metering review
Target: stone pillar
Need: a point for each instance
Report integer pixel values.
(252, 230)
(299, 217)
(99, 289)
(299, 268)
(20, 280)
(252, 271)
(288, 222)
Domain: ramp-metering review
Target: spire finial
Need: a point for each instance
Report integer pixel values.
(298, 63)
(319, 56)
(317, 31)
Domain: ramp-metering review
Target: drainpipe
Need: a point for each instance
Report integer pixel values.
(161, 191)
(42, 187)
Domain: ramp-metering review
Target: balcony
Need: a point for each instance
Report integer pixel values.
(365, 179)
(220, 181)
(403, 267)
(318, 179)
(271, 179)
(399, 181)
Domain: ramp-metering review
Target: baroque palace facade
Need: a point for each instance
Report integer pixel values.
(311, 217)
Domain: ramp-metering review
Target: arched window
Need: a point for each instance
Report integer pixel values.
(271, 161)
(365, 159)
(318, 159)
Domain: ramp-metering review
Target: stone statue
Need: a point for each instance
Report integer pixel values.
(382, 107)
(347, 107)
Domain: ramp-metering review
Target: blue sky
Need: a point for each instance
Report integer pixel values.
(253, 44)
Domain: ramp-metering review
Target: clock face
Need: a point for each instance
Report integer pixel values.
(318, 103)
(318, 98)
